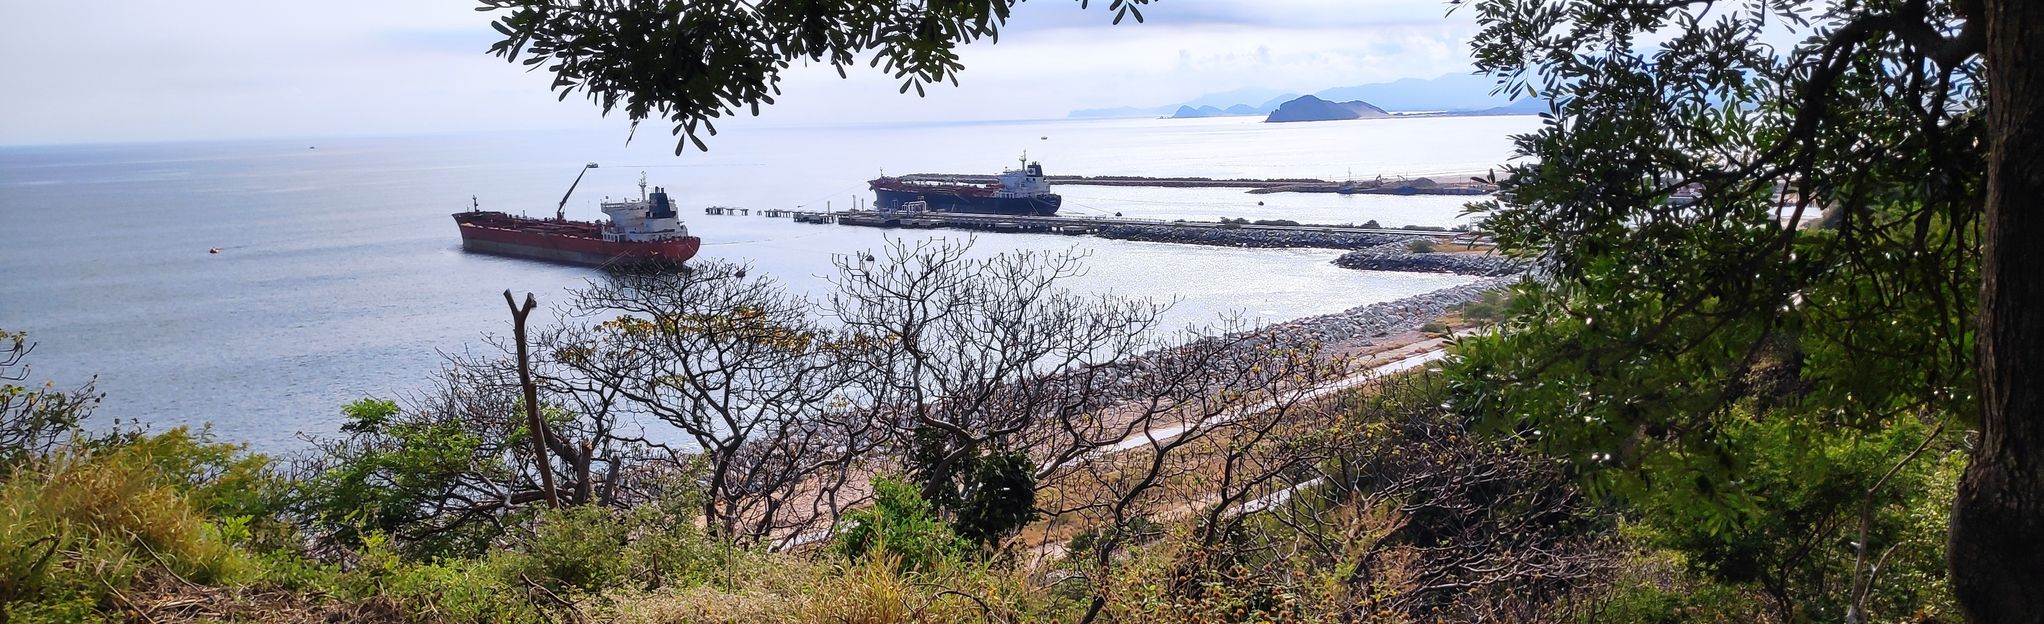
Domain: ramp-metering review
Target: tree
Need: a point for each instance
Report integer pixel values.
(736, 365)
(986, 371)
(694, 61)
(1667, 195)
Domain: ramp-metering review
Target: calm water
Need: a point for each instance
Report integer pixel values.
(341, 276)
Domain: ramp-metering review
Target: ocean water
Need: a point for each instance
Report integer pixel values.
(340, 275)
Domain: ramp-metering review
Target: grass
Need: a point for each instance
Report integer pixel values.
(88, 522)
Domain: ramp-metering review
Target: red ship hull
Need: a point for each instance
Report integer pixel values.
(573, 242)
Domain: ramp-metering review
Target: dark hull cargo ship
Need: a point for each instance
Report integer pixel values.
(1022, 192)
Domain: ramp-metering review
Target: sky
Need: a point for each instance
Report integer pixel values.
(163, 70)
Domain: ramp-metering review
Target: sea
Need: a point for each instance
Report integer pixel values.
(339, 274)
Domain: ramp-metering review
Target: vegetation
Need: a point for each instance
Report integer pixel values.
(1073, 468)
(1704, 410)
(1739, 243)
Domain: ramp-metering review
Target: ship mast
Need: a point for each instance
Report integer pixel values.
(642, 186)
(561, 211)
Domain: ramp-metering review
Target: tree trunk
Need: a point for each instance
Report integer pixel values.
(1997, 538)
(535, 426)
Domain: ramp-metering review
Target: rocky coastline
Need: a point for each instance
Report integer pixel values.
(1357, 325)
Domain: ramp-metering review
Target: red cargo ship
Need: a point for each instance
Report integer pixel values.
(646, 230)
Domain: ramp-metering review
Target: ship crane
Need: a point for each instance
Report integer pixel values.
(561, 212)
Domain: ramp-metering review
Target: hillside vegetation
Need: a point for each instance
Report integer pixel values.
(1214, 483)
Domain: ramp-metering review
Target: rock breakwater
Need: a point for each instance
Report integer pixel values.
(1252, 237)
(1394, 257)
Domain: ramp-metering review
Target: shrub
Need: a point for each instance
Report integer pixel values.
(480, 591)
(578, 547)
(1002, 499)
(900, 525)
(1420, 245)
(92, 517)
(1491, 306)
(387, 474)
(34, 419)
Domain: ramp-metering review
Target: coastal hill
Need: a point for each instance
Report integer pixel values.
(1451, 94)
(1310, 108)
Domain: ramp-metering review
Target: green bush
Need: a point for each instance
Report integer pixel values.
(900, 524)
(1002, 499)
(386, 475)
(484, 590)
(1420, 245)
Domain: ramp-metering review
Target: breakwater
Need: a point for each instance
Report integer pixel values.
(1399, 257)
(1444, 185)
(1150, 230)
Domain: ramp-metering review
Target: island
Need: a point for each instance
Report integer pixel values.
(1310, 108)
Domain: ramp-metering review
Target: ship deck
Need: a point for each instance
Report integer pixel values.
(549, 227)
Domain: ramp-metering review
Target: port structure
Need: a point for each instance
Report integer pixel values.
(1092, 225)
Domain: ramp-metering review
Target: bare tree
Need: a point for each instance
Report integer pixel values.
(740, 368)
(961, 356)
(1183, 439)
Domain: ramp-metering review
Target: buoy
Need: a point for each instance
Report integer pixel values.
(1259, 203)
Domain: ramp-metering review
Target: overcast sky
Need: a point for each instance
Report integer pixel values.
(149, 70)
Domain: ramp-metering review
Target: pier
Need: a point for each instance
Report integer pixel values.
(1432, 184)
(1157, 230)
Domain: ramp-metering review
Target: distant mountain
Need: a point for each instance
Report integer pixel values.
(1243, 109)
(1452, 93)
(1188, 112)
(1225, 99)
(1526, 106)
(1121, 111)
(1310, 108)
(1273, 103)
